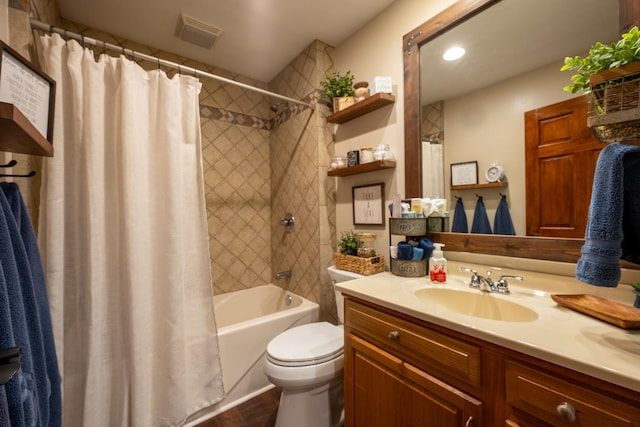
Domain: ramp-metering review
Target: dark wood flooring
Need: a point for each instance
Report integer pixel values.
(260, 411)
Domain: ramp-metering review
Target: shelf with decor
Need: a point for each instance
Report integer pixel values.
(361, 108)
(18, 135)
(480, 186)
(376, 165)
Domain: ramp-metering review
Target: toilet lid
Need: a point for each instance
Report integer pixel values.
(307, 344)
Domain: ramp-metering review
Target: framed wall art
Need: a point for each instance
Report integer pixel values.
(368, 204)
(465, 173)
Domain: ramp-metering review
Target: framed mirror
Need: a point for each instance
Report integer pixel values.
(470, 20)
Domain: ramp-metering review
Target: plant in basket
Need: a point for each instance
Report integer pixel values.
(610, 74)
(338, 87)
(348, 243)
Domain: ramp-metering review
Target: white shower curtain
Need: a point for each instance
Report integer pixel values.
(123, 235)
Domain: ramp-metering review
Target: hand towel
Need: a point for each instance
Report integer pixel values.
(405, 251)
(502, 223)
(459, 218)
(480, 220)
(599, 264)
(427, 246)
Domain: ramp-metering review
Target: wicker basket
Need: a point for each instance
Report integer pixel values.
(360, 265)
(614, 104)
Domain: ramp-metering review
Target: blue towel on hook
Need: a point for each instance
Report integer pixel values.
(502, 223)
(599, 264)
(38, 315)
(459, 218)
(480, 223)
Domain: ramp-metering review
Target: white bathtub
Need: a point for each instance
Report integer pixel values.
(247, 320)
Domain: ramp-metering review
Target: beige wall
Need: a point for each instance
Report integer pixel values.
(376, 50)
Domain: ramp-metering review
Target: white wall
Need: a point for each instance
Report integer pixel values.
(376, 50)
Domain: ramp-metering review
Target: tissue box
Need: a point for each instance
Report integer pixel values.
(380, 84)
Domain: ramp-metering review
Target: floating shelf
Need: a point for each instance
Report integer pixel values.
(480, 186)
(18, 135)
(363, 107)
(376, 165)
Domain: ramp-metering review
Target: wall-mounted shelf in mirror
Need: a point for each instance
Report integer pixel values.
(363, 168)
(18, 135)
(361, 108)
(480, 186)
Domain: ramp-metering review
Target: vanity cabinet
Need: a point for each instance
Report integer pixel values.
(403, 371)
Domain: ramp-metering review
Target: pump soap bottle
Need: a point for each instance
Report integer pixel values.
(438, 265)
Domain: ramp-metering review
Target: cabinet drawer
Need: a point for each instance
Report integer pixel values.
(554, 400)
(431, 351)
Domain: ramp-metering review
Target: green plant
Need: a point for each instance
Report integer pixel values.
(602, 57)
(636, 286)
(348, 243)
(336, 86)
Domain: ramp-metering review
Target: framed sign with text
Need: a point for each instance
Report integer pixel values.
(368, 204)
(464, 173)
(28, 89)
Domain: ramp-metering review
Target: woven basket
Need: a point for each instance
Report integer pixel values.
(360, 265)
(614, 104)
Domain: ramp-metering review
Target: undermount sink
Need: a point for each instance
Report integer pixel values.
(478, 304)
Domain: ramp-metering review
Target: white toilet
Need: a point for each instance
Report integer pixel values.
(306, 362)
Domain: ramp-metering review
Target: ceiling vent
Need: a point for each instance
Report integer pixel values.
(197, 32)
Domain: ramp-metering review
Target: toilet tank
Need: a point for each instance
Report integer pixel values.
(338, 276)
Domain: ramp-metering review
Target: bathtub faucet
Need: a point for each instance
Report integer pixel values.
(283, 275)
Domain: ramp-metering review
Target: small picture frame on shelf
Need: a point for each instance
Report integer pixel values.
(368, 204)
(28, 89)
(465, 173)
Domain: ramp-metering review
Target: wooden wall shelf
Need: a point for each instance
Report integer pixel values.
(480, 186)
(363, 168)
(363, 107)
(18, 135)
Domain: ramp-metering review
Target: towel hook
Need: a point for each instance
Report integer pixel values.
(8, 175)
(11, 164)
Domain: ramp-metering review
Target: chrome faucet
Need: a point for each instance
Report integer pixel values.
(283, 275)
(486, 284)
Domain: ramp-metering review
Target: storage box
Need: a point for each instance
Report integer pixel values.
(342, 103)
(360, 265)
(406, 268)
(380, 84)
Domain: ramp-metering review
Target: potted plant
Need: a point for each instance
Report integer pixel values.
(348, 243)
(602, 57)
(338, 90)
(610, 74)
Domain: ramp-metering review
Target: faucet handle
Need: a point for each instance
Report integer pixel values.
(502, 285)
(475, 279)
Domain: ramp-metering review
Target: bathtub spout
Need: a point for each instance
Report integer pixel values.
(283, 275)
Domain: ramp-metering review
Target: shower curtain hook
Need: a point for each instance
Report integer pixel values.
(158, 59)
(82, 40)
(65, 37)
(104, 47)
(50, 29)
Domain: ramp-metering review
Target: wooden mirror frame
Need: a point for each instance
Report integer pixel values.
(543, 248)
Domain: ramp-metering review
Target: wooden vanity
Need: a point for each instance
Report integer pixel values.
(411, 362)
(402, 371)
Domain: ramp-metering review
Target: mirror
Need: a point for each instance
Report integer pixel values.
(474, 22)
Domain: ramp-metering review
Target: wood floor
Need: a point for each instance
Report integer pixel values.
(260, 411)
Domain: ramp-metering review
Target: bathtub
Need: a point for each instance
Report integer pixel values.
(247, 320)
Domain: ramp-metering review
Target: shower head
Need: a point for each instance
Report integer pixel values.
(275, 107)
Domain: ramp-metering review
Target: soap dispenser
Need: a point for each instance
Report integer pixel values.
(438, 265)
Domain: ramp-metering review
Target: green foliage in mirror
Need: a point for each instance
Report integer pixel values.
(602, 57)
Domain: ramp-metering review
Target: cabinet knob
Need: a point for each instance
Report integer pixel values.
(468, 423)
(394, 335)
(566, 412)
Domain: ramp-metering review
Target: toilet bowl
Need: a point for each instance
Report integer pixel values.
(306, 362)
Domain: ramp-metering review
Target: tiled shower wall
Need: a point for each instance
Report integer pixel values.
(258, 166)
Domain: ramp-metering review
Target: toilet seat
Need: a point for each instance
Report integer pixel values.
(305, 345)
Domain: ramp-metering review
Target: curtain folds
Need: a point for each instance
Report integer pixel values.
(124, 242)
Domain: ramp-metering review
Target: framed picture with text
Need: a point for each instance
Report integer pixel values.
(368, 204)
(465, 173)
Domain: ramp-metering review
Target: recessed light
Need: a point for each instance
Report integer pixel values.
(453, 53)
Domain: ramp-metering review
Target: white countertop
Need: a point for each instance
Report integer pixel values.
(558, 335)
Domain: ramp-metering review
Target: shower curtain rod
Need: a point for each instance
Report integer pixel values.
(43, 26)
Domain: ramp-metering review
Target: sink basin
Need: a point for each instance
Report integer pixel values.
(478, 304)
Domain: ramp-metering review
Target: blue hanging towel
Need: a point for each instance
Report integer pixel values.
(480, 223)
(459, 218)
(599, 264)
(502, 223)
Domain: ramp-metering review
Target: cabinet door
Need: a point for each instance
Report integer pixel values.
(385, 391)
